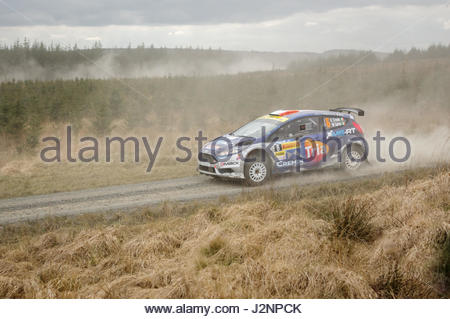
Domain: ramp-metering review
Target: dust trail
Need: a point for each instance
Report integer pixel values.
(424, 126)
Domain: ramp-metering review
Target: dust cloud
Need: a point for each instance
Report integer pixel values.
(424, 127)
(113, 64)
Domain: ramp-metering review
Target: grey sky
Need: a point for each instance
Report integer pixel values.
(135, 12)
(283, 25)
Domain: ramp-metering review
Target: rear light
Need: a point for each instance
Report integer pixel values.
(356, 125)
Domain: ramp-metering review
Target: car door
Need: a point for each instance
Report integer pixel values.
(335, 129)
(299, 143)
(313, 150)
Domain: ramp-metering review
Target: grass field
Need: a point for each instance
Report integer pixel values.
(385, 237)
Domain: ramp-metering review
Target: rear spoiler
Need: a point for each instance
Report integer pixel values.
(349, 110)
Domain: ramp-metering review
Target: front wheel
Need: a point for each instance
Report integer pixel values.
(257, 171)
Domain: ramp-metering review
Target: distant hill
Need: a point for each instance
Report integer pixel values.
(26, 61)
(37, 62)
(335, 53)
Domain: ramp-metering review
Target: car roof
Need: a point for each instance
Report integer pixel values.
(296, 114)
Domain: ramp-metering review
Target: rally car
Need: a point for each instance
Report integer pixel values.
(286, 141)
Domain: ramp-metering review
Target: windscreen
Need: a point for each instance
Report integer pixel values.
(254, 128)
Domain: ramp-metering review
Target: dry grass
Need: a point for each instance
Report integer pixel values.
(44, 179)
(26, 174)
(383, 238)
(351, 219)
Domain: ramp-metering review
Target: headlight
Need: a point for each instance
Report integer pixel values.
(234, 150)
(224, 152)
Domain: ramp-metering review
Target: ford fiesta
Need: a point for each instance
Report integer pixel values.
(286, 141)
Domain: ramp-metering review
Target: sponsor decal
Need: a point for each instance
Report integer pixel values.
(289, 145)
(229, 164)
(274, 117)
(314, 152)
(282, 149)
(282, 153)
(277, 148)
(315, 149)
(331, 122)
(342, 132)
(288, 163)
(285, 146)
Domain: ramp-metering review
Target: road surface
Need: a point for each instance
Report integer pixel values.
(127, 197)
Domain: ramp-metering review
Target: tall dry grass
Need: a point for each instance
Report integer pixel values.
(382, 238)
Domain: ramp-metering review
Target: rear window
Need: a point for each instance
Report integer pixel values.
(332, 122)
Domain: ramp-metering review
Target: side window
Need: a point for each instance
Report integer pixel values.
(332, 122)
(308, 125)
(298, 128)
(282, 133)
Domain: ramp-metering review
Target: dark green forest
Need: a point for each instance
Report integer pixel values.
(419, 77)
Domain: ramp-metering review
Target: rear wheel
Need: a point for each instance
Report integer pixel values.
(353, 157)
(258, 171)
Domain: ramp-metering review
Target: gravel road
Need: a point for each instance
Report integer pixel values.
(126, 197)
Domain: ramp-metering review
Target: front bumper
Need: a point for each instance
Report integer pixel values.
(232, 168)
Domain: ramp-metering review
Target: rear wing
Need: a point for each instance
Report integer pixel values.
(349, 110)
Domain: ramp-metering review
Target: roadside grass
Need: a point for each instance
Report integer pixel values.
(26, 179)
(351, 219)
(443, 262)
(26, 174)
(384, 237)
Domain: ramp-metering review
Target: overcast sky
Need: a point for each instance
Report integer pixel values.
(263, 25)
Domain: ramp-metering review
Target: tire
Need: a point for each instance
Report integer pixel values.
(354, 161)
(258, 171)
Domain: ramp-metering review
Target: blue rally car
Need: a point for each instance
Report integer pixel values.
(286, 141)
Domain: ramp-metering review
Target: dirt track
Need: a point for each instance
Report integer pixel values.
(126, 197)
